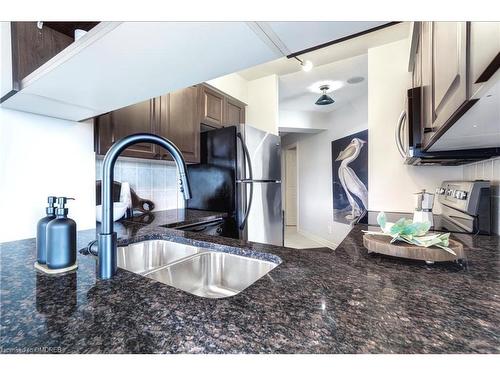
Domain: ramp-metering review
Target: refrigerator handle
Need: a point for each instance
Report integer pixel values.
(250, 172)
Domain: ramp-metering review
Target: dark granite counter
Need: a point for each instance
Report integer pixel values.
(315, 301)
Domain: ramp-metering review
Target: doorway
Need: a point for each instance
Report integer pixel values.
(293, 237)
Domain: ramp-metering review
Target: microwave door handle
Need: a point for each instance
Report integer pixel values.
(399, 128)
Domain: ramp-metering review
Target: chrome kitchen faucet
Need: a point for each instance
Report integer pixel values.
(107, 239)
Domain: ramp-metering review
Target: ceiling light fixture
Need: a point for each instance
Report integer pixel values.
(305, 64)
(332, 86)
(324, 99)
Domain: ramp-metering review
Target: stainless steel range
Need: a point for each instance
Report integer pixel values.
(466, 206)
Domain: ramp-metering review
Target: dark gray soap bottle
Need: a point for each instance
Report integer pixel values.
(41, 230)
(61, 238)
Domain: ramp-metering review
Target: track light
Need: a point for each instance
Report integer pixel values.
(305, 64)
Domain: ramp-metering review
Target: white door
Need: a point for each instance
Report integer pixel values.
(291, 187)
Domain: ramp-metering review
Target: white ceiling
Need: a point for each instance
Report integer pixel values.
(336, 52)
(299, 35)
(295, 88)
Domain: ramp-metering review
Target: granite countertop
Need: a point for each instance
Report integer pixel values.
(315, 301)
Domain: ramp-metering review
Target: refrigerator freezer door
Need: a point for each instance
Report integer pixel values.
(265, 153)
(265, 221)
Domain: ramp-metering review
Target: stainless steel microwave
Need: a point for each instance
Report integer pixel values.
(408, 137)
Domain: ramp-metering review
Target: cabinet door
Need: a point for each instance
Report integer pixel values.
(137, 118)
(484, 52)
(426, 77)
(417, 67)
(212, 104)
(235, 112)
(449, 64)
(179, 122)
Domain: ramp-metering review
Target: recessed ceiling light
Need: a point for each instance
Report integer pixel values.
(332, 86)
(354, 80)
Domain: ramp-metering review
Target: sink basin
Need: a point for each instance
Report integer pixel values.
(145, 256)
(213, 274)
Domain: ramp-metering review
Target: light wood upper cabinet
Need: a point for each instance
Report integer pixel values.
(212, 104)
(444, 75)
(457, 61)
(484, 52)
(449, 69)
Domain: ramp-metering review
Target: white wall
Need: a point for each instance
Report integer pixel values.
(232, 84)
(391, 184)
(41, 156)
(301, 119)
(262, 110)
(315, 195)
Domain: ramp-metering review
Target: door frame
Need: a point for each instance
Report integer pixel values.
(291, 146)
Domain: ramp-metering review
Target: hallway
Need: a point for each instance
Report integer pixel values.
(297, 241)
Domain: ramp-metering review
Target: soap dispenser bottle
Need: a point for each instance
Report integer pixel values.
(61, 238)
(41, 230)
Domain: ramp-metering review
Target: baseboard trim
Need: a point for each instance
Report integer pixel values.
(321, 241)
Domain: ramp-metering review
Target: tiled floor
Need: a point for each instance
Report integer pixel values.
(298, 241)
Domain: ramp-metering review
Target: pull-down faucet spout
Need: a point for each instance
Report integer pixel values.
(107, 238)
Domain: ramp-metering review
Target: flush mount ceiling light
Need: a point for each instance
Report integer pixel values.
(324, 99)
(305, 64)
(332, 86)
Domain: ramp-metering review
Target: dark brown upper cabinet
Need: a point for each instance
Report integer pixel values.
(235, 112)
(137, 118)
(177, 116)
(218, 109)
(179, 122)
(32, 46)
(212, 104)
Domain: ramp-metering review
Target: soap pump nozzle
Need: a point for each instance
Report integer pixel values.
(61, 203)
(51, 209)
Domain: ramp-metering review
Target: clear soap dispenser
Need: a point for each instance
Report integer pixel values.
(61, 239)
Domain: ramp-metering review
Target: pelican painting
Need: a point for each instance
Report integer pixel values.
(351, 197)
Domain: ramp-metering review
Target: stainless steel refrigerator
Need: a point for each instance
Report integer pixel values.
(240, 173)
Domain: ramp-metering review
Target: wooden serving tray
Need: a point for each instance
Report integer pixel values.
(381, 245)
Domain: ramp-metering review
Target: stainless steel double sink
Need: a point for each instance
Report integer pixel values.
(196, 270)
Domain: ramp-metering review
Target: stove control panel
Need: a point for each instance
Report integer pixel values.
(463, 195)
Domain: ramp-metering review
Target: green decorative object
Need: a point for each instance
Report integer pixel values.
(412, 233)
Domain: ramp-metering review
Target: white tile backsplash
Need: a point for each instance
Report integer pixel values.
(488, 170)
(152, 180)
